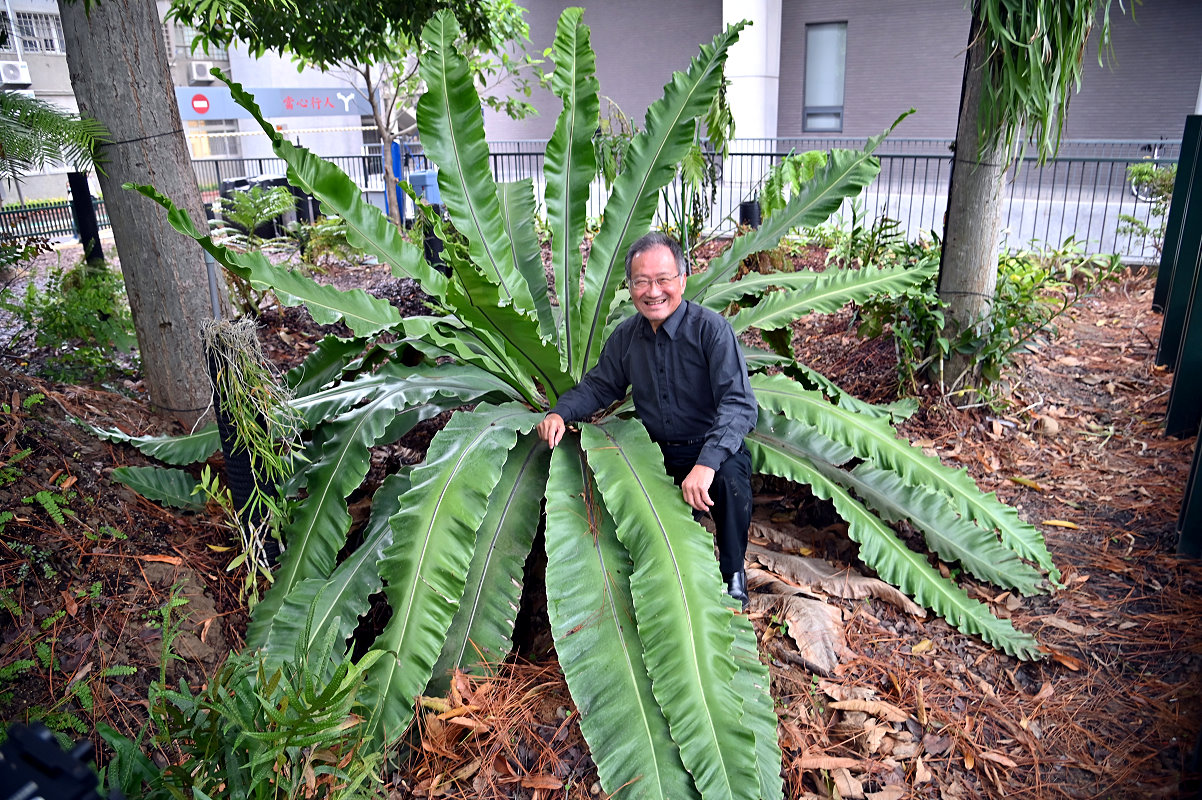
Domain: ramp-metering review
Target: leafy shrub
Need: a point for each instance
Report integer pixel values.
(254, 731)
(80, 318)
(861, 244)
(786, 179)
(17, 251)
(253, 208)
(238, 220)
(1034, 288)
(324, 240)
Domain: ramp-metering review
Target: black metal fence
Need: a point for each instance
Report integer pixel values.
(51, 220)
(366, 171)
(1085, 193)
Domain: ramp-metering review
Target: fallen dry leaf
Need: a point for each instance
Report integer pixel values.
(80, 674)
(1047, 425)
(845, 583)
(827, 762)
(1030, 484)
(849, 786)
(468, 722)
(816, 628)
(542, 782)
(888, 793)
(176, 560)
(1063, 659)
(877, 708)
(458, 711)
(998, 758)
(1071, 627)
(69, 603)
(921, 773)
(1045, 691)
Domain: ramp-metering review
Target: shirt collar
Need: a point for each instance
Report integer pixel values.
(672, 324)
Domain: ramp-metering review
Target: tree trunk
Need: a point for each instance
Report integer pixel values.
(390, 181)
(119, 72)
(375, 99)
(968, 267)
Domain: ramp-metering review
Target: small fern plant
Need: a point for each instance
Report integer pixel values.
(674, 701)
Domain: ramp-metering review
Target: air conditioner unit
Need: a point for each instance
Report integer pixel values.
(14, 73)
(199, 71)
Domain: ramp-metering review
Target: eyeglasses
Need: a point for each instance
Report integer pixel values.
(643, 284)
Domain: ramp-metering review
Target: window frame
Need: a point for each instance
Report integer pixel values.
(836, 111)
(41, 33)
(204, 132)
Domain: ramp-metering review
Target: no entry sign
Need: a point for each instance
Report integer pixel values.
(200, 103)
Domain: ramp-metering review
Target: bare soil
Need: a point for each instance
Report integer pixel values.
(1112, 711)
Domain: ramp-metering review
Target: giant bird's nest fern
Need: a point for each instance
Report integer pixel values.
(673, 699)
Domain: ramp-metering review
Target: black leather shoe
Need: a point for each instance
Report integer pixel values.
(736, 587)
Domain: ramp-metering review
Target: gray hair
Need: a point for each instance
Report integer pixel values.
(651, 241)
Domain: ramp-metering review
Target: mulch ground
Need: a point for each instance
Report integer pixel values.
(1112, 712)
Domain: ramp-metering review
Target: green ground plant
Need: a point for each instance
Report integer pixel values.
(80, 317)
(1035, 287)
(323, 241)
(674, 700)
(76, 691)
(15, 252)
(258, 731)
(249, 210)
(788, 177)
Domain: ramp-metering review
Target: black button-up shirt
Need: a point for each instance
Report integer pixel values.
(689, 381)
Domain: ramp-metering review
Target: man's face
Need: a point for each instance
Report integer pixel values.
(655, 285)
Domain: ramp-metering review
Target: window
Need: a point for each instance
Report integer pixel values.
(39, 33)
(826, 63)
(213, 138)
(184, 34)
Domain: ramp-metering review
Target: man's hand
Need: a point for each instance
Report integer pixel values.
(696, 487)
(551, 429)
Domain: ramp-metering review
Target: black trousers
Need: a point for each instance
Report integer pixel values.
(731, 493)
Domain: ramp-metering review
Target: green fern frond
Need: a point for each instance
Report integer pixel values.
(875, 441)
(884, 552)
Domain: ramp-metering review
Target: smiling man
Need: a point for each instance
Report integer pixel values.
(689, 382)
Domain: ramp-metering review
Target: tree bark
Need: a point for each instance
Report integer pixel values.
(379, 113)
(968, 266)
(120, 75)
(390, 180)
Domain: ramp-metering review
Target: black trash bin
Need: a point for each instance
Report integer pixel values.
(231, 185)
(239, 183)
(749, 213)
(307, 208)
